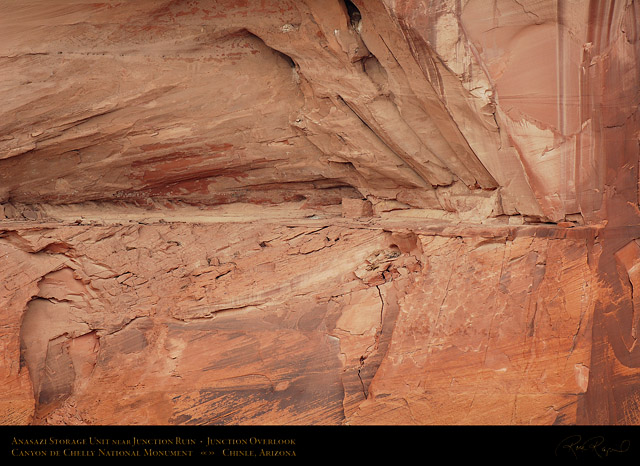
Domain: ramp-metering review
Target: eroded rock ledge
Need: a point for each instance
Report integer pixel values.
(319, 212)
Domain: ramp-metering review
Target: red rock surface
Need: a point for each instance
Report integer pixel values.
(320, 212)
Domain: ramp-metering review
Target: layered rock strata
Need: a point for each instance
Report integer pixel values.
(320, 212)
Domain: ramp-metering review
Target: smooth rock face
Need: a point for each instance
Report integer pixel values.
(320, 212)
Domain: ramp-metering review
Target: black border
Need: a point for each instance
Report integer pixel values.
(425, 444)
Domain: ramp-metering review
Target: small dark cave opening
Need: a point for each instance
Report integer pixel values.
(354, 13)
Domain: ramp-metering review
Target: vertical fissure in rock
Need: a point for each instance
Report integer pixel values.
(355, 17)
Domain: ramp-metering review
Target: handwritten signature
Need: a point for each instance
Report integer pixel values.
(595, 445)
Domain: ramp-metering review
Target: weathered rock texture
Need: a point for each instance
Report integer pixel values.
(320, 212)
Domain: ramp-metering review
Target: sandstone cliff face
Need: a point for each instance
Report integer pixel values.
(320, 212)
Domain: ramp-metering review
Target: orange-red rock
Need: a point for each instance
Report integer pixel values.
(319, 212)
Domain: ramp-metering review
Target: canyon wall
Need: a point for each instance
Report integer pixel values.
(269, 212)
